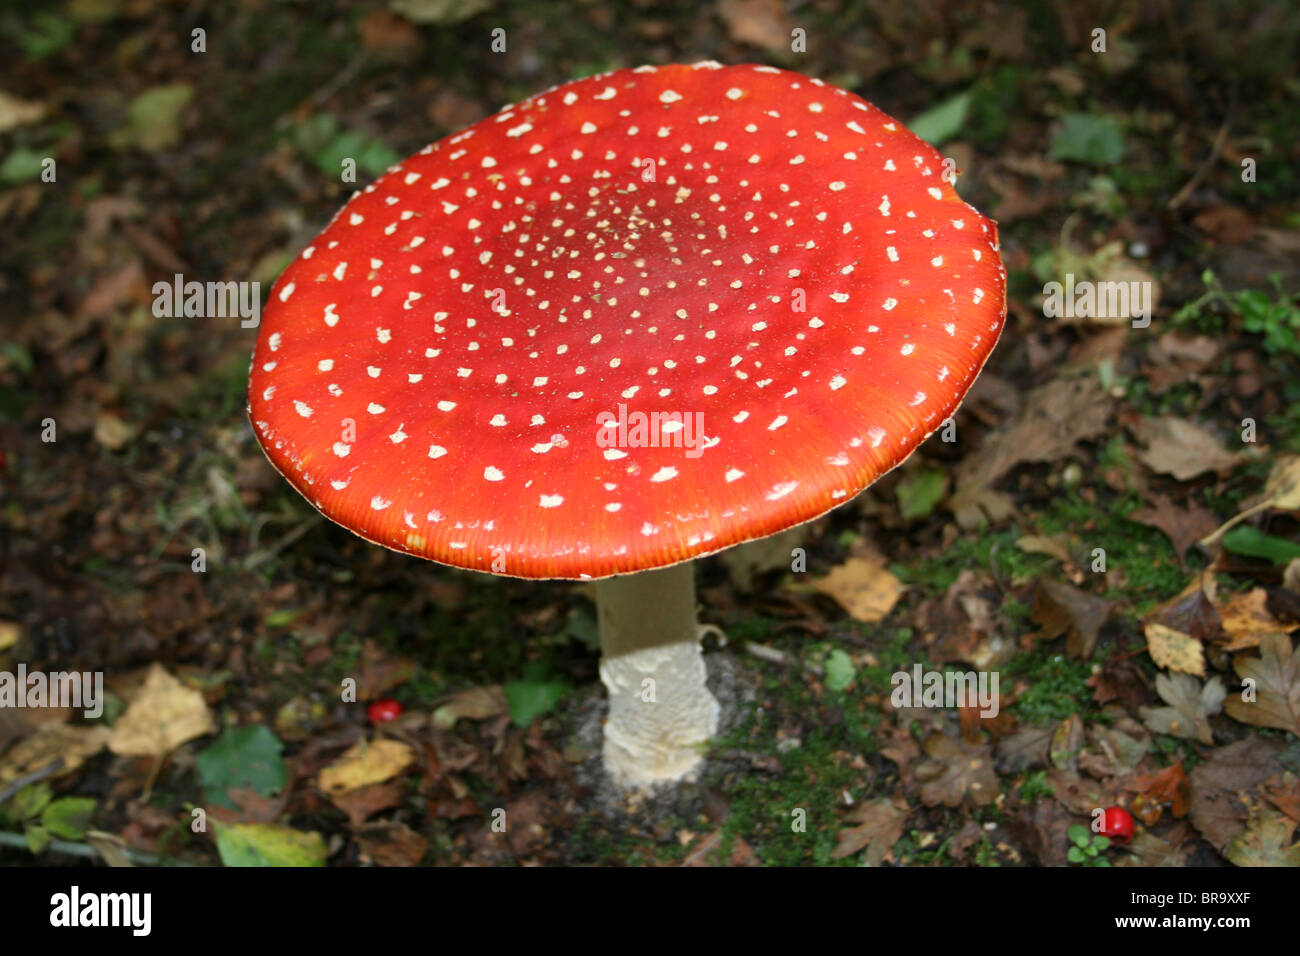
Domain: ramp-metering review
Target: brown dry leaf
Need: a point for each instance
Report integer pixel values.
(1183, 527)
(1056, 546)
(1220, 786)
(1175, 650)
(1266, 841)
(760, 23)
(1284, 793)
(476, 703)
(1156, 791)
(1026, 749)
(391, 844)
(864, 587)
(111, 431)
(15, 112)
(1054, 418)
(1147, 849)
(1080, 795)
(1191, 706)
(956, 770)
(366, 763)
(1179, 448)
(879, 825)
(72, 743)
(364, 802)
(1113, 752)
(1276, 677)
(164, 715)
(1192, 610)
(1060, 608)
(1246, 619)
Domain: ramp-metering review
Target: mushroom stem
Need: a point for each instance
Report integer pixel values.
(660, 712)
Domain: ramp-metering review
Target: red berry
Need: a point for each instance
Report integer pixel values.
(1117, 824)
(386, 709)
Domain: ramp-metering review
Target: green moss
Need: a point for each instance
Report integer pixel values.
(1058, 686)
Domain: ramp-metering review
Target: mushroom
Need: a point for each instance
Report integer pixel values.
(631, 321)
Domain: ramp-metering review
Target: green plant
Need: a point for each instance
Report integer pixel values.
(1087, 846)
(1276, 317)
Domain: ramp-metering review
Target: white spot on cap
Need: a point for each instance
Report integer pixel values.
(551, 501)
(664, 474)
(492, 474)
(436, 451)
(379, 504)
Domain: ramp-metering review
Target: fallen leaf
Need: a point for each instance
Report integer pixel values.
(1220, 786)
(366, 763)
(1148, 849)
(164, 714)
(1060, 608)
(1053, 419)
(391, 844)
(956, 771)
(475, 703)
(1266, 841)
(363, 802)
(1179, 448)
(1175, 650)
(268, 844)
(879, 825)
(864, 587)
(71, 743)
(1191, 706)
(1276, 677)
(1183, 527)
(1246, 619)
(1023, 750)
(15, 112)
(1192, 610)
(1168, 788)
(760, 23)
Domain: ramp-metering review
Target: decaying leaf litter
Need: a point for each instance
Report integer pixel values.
(1172, 450)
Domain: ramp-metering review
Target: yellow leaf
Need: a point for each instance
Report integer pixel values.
(1175, 650)
(366, 763)
(863, 587)
(164, 714)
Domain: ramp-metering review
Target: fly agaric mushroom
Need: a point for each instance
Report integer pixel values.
(633, 320)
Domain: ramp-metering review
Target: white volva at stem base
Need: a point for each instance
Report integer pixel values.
(660, 712)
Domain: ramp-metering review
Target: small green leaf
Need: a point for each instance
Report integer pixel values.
(268, 844)
(31, 800)
(247, 758)
(942, 122)
(839, 670)
(920, 492)
(20, 166)
(1101, 842)
(1075, 855)
(1088, 138)
(38, 838)
(529, 699)
(1254, 543)
(154, 118)
(1079, 834)
(68, 817)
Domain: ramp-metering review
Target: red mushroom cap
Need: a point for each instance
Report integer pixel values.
(435, 369)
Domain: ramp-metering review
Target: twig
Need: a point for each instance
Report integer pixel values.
(34, 777)
(1219, 139)
(19, 840)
